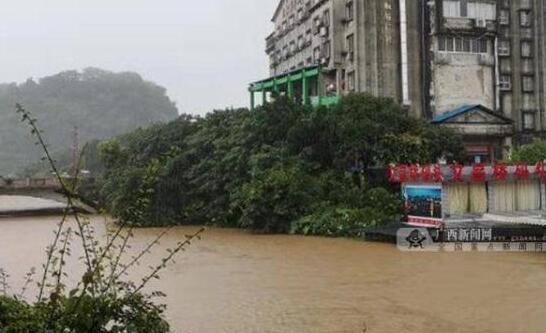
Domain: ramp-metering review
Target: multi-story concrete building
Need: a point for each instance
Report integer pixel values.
(477, 65)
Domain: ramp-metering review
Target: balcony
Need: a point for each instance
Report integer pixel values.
(270, 43)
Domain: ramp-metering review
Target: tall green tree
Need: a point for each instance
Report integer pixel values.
(269, 168)
(99, 103)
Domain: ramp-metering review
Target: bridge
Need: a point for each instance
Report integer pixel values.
(9, 184)
(46, 194)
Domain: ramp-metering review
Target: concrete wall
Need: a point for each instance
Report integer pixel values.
(417, 52)
(379, 60)
(460, 79)
(35, 183)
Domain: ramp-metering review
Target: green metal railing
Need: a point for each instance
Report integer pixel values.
(286, 82)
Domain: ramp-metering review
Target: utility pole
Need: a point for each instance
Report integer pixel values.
(75, 152)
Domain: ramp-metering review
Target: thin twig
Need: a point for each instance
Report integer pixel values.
(168, 258)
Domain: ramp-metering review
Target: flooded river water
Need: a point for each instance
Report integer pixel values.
(232, 281)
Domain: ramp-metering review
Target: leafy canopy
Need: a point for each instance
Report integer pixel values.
(270, 168)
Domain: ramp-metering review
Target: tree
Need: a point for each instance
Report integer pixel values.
(268, 168)
(530, 153)
(99, 103)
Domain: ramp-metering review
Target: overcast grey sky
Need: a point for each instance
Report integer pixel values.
(204, 52)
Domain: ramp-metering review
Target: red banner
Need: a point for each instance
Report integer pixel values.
(457, 172)
(522, 172)
(500, 171)
(479, 173)
(540, 170)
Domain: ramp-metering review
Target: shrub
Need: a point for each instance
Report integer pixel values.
(531, 153)
(379, 207)
(267, 168)
(274, 199)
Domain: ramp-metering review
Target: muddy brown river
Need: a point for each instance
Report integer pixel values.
(232, 281)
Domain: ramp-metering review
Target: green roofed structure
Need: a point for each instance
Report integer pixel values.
(302, 85)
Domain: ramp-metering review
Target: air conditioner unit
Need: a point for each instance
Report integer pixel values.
(324, 61)
(481, 23)
(505, 86)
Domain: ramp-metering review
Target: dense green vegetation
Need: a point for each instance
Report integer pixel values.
(280, 168)
(530, 153)
(99, 103)
(100, 300)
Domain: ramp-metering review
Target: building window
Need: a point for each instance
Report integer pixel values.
(442, 43)
(526, 49)
(504, 17)
(326, 18)
(452, 8)
(525, 19)
(293, 47)
(528, 83)
(505, 65)
(450, 44)
(528, 121)
(505, 82)
(301, 43)
(291, 21)
(526, 4)
(458, 44)
(308, 37)
(300, 14)
(351, 43)
(309, 61)
(527, 66)
(351, 82)
(479, 45)
(504, 48)
(349, 11)
(316, 54)
(462, 44)
(326, 50)
(480, 10)
(526, 33)
(317, 23)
